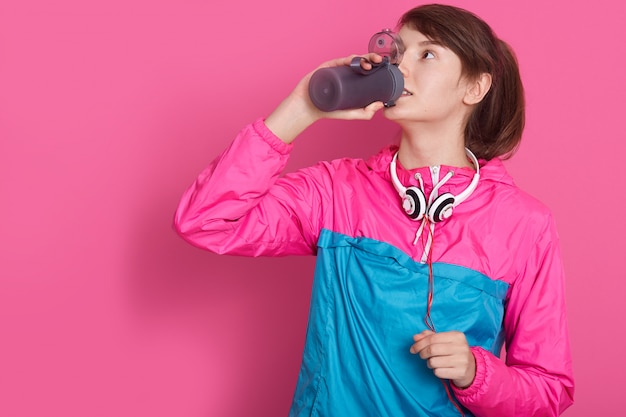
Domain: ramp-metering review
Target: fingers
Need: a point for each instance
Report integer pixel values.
(365, 62)
(430, 347)
(447, 354)
(428, 340)
(372, 57)
(451, 361)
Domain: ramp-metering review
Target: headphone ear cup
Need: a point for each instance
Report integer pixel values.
(414, 203)
(441, 208)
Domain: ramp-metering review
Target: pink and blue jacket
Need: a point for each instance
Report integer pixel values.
(497, 269)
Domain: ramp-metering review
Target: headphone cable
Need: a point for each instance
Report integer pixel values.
(428, 320)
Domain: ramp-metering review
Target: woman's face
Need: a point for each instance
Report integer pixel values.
(433, 83)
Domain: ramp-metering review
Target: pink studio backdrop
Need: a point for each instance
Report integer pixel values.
(108, 110)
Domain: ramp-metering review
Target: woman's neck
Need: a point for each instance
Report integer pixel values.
(422, 147)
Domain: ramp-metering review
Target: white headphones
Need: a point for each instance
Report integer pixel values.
(440, 207)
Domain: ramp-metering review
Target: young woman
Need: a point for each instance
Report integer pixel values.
(429, 258)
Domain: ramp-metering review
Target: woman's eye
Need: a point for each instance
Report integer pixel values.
(428, 55)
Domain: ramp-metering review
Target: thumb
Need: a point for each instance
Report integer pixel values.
(420, 336)
(365, 113)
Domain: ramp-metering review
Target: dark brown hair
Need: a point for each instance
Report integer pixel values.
(494, 128)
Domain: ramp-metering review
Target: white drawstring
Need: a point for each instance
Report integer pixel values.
(419, 231)
(435, 192)
(431, 225)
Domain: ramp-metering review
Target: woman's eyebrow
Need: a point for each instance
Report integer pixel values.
(430, 42)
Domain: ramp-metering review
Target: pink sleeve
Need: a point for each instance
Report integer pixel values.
(239, 205)
(536, 379)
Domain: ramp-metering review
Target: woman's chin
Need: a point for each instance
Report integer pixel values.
(393, 113)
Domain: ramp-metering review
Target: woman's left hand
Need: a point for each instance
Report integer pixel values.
(448, 355)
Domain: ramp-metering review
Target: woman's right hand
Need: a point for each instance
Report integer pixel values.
(297, 111)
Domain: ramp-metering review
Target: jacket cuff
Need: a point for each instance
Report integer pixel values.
(270, 138)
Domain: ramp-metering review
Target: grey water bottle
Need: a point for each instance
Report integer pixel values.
(351, 87)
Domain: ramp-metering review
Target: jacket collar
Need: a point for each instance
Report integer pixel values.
(491, 170)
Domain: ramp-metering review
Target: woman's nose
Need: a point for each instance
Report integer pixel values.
(403, 69)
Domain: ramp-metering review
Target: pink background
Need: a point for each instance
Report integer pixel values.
(108, 110)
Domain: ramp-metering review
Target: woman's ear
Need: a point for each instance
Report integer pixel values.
(477, 89)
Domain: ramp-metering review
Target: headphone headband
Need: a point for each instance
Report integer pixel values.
(470, 188)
